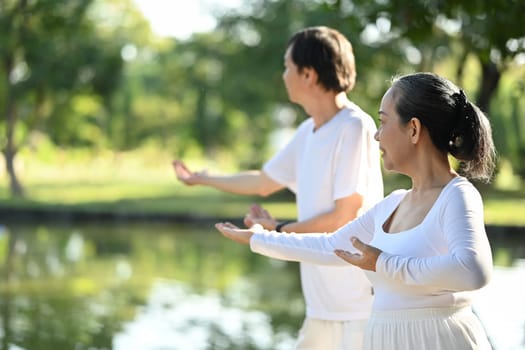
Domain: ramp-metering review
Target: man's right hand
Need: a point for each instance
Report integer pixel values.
(185, 175)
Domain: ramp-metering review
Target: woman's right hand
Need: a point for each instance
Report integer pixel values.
(234, 233)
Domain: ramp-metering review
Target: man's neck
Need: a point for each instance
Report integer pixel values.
(323, 110)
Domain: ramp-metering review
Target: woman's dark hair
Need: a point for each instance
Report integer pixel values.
(456, 125)
(329, 53)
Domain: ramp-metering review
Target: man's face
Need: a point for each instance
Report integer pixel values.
(291, 77)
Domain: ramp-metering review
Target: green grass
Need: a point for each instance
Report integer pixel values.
(504, 207)
(126, 184)
(144, 183)
(158, 198)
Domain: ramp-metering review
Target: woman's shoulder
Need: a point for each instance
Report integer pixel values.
(461, 186)
(460, 193)
(307, 123)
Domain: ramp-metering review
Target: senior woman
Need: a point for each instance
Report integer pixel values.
(424, 249)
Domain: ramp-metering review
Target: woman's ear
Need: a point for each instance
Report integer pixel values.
(415, 129)
(310, 75)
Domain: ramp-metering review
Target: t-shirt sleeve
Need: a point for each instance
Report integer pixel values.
(282, 167)
(468, 263)
(352, 163)
(315, 248)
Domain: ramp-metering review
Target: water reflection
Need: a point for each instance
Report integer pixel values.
(161, 286)
(502, 309)
(174, 318)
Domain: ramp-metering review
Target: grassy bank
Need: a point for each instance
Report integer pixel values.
(144, 183)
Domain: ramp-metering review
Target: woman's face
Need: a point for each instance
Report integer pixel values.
(394, 137)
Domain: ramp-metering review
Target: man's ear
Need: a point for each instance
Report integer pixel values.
(415, 128)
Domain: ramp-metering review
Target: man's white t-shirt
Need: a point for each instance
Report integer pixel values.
(320, 167)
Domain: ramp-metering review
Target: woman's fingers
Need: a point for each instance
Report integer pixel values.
(347, 256)
(356, 242)
(365, 259)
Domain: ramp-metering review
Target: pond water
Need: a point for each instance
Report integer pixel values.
(153, 286)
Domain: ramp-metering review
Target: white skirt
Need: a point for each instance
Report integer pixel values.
(331, 335)
(426, 329)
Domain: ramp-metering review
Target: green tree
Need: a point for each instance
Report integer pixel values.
(489, 30)
(393, 37)
(50, 53)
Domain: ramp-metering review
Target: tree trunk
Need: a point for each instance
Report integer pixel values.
(10, 149)
(461, 67)
(489, 83)
(10, 123)
(10, 113)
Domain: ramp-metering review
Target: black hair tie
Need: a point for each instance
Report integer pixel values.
(461, 102)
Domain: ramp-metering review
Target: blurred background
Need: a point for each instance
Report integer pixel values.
(101, 247)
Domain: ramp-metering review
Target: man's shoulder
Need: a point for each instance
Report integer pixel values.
(354, 116)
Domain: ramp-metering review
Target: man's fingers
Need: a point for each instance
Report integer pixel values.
(266, 213)
(253, 210)
(178, 164)
(180, 169)
(257, 210)
(248, 221)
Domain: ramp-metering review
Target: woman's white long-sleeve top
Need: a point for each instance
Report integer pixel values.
(437, 263)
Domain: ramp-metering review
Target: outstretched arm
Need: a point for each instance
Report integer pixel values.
(345, 210)
(316, 248)
(284, 246)
(253, 182)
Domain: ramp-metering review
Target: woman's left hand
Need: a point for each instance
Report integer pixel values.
(366, 260)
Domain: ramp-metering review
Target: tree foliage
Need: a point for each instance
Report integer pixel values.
(89, 73)
(491, 31)
(51, 53)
